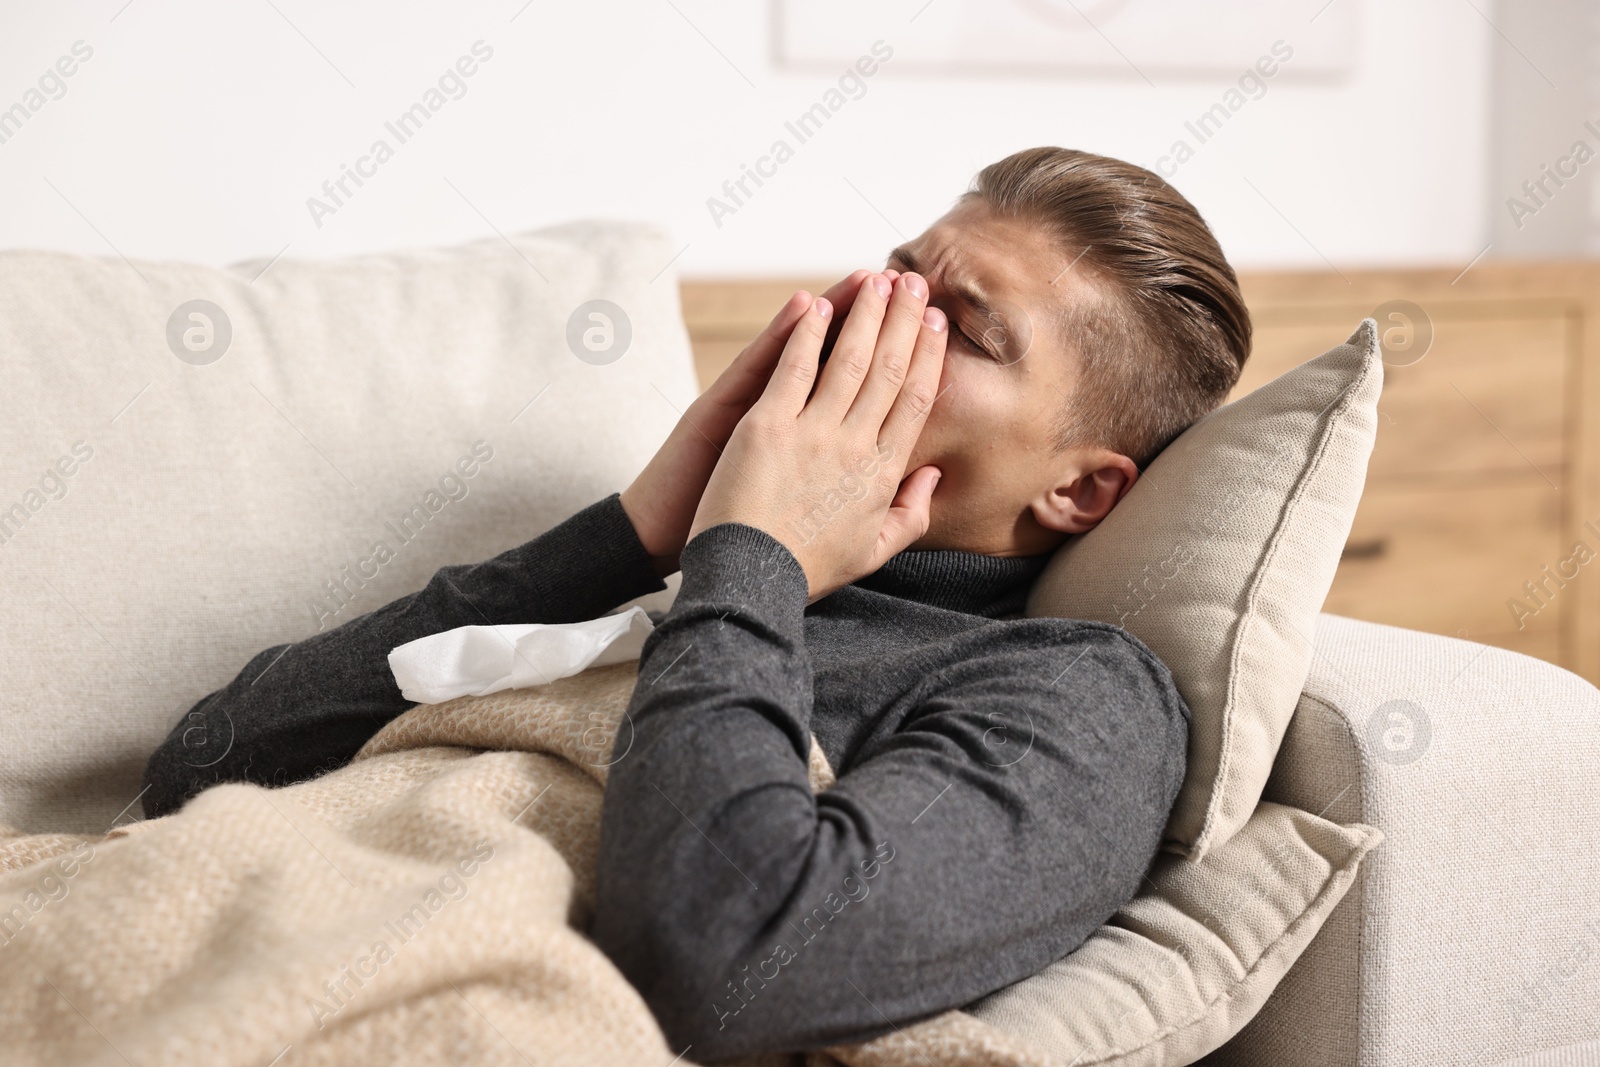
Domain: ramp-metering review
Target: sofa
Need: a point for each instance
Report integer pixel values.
(204, 462)
(1472, 935)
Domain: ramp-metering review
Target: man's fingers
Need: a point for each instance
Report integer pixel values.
(852, 352)
(903, 425)
(842, 295)
(891, 359)
(743, 379)
(791, 380)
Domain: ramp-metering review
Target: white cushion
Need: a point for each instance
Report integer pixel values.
(210, 503)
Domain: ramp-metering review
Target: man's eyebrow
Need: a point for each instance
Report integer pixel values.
(962, 289)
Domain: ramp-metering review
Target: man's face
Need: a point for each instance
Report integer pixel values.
(1008, 373)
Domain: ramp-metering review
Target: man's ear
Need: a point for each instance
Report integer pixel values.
(1091, 485)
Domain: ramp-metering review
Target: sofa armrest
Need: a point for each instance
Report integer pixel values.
(1472, 935)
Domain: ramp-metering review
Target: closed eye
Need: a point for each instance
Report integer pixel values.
(897, 261)
(963, 338)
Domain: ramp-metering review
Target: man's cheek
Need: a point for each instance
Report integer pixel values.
(947, 398)
(940, 436)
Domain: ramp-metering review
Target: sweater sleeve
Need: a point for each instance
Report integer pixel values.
(1014, 809)
(300, 709)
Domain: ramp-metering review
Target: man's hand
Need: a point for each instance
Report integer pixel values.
(822, 471)
(661, 501)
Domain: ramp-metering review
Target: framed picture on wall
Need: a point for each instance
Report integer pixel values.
(1138, 38)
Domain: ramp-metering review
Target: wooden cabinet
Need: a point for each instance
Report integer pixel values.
(1481, 517)
(1484, 474)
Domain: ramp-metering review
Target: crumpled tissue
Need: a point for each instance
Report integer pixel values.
(478, 660)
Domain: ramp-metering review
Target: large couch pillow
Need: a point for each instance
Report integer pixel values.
(203, 462)
(1220, 558)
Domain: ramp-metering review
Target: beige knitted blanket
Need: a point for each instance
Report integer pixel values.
(422, 905)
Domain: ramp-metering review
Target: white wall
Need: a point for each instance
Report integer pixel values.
(1544, 177)
(198, 131)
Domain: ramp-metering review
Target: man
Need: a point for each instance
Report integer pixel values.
(857, 535)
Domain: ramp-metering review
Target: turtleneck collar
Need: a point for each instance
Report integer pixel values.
(993, 586)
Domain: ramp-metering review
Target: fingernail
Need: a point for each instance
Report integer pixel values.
(824, 308)
(934, 320)
(881, 284)
(914, 282)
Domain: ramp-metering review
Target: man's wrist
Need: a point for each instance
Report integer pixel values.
(663, 558)
(732, 563)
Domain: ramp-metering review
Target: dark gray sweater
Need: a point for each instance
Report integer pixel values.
(1003, 782)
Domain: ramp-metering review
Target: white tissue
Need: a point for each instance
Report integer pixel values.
(478, 660)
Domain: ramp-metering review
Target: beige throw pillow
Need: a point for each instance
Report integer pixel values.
(1220, 558)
